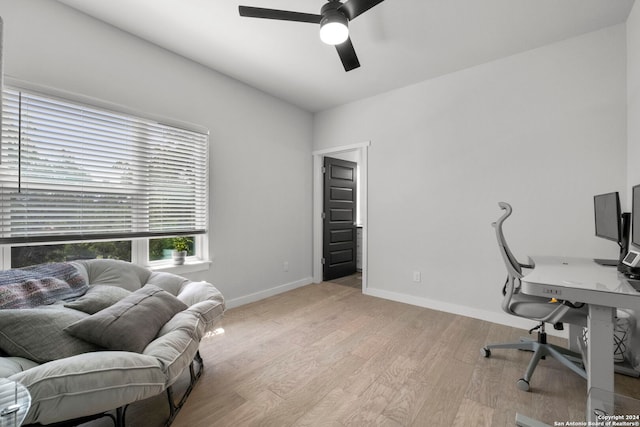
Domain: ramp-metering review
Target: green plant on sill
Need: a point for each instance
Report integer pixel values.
(181, 244)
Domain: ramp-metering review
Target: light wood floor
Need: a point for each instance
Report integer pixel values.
(353, 280)
(326, 355)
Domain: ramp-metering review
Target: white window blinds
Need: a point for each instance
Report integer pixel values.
(77, 172)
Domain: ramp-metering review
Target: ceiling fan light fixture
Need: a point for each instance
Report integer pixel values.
(334, 28)
(334, 20)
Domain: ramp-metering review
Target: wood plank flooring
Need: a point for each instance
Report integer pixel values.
(326, 355)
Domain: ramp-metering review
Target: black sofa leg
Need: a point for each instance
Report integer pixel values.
(120, 414)
(174, 408)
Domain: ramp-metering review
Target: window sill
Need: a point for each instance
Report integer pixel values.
(190, 266)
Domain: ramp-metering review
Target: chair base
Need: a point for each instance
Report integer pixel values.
(540, 349)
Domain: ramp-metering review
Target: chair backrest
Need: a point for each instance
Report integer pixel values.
(514, 268)
(562, 312)
(512, 264)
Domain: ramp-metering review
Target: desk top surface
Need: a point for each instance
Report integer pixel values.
(580, 280)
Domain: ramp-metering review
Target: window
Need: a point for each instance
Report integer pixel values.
(23, 256)
(76, 173)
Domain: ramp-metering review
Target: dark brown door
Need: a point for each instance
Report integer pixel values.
(339, 247)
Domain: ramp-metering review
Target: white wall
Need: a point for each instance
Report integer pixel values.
(633, 131)
(544, 130)
(633, 99)
(260, 146)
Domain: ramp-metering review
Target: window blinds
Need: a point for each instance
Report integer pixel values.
(77, 172)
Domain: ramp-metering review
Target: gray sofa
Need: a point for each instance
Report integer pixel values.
(128, 336)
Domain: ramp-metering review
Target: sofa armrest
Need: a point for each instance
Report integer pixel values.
(177, 344)
(209, 312)
(195, 292)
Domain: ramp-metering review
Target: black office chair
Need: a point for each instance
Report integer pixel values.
(535, 308)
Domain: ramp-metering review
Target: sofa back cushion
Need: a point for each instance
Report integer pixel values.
(114, 273)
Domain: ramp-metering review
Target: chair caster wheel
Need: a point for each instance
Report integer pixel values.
(485, 352)
(523, 384)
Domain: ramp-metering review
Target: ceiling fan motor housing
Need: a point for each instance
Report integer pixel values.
(330, 13)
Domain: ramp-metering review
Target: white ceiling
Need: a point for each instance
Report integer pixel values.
(398, 42)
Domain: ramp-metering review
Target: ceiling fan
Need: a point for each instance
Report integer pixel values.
(334, 20)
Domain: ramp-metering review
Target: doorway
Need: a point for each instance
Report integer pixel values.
(360, 153)
(339, 215)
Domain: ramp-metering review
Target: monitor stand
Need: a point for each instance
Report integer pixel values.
(624, 239)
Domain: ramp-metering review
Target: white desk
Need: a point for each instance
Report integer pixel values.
(604, 290)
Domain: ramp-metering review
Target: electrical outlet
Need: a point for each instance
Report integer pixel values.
(417, 277)
(285, 266)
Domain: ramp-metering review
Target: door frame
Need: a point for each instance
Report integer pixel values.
(318, 162)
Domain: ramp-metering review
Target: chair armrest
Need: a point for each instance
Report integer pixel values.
(531, 264)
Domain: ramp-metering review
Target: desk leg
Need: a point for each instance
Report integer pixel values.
(600, 354)
(575, 335)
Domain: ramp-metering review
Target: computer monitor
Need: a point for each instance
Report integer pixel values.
(612, 224)
(635, 216)
(608, 216)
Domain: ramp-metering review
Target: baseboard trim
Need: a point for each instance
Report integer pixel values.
(461, 310)
(257, 296)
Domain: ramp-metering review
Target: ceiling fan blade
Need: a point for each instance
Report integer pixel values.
(348, 55)
(354, 8)
(282, 15)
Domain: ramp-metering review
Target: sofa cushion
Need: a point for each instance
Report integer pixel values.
(38, 333)
(97, 298)
(131, 323)
(89, 384)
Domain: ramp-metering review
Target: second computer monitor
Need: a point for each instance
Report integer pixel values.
(608, 217)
